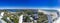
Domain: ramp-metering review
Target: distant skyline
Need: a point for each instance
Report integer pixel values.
(47, 8)
(29, 7)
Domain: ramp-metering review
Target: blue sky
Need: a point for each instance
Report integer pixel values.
(29, 3)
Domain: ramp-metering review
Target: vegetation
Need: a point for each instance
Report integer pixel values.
(27, 18)
(8, 14)
(15, 17)
(42, 17)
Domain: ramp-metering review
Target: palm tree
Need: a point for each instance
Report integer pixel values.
(27, 18)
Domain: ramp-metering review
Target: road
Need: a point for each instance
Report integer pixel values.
(49, 18)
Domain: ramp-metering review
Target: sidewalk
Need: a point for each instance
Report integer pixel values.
(57, 21)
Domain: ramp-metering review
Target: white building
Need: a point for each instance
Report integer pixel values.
(21, 19)
(58, 19)
(1, 15)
